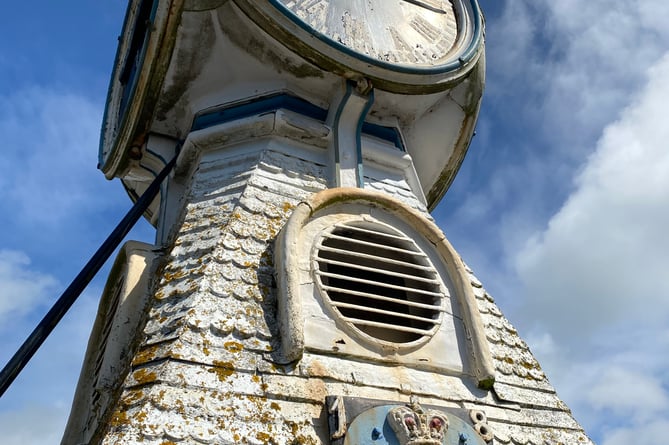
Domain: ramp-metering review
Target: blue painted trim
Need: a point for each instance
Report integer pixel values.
(273, 102)
(258, 106)
(466, 56)
(391, 134)
(358, 137)
(158, 155)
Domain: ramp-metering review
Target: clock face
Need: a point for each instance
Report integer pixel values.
(406, 32)
(404, 45)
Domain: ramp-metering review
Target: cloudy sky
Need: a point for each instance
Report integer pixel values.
(561, 207)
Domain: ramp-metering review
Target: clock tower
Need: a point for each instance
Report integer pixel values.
(298, 290)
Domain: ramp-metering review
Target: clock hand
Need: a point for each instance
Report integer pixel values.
(428, 4)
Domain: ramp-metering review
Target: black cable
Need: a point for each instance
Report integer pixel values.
(75, 289)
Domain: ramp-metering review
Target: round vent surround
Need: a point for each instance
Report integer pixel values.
(378, 281)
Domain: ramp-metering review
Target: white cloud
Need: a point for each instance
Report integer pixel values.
(626, 391)
(576, 190)
(518, 26)
(56, 208)
(22, 289)
(559, 72)
(615, 384)
(47, 165)
(604, 254)
(595, 278)
(598, 50)
(653, 432)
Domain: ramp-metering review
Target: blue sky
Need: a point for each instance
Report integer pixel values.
(561, 206)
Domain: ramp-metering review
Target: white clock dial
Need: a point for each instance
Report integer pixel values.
(407, 46)
(411, 32)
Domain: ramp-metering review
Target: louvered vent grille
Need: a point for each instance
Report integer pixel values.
(378, 280)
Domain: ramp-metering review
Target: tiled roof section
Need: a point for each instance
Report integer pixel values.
(399, 189)
(514, 362)
(540, 418)
(201, 410)
(213, 313)
(206, 374)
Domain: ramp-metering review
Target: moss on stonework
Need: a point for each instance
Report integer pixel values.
(487, 384)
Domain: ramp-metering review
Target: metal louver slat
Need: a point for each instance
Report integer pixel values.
(381, 311)
(389, 286)
(378, 281)
(375, 258)
(373, 232)
(383, 298)
(393, 327)
(375, 245)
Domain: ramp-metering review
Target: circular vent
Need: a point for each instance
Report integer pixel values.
(379, 281)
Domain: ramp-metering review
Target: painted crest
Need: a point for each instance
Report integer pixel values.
(415, 426)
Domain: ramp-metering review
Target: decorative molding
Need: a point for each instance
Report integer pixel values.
(120, 313)
(290, 309)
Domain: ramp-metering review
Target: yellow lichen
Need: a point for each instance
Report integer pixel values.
(119, 418)
(145, 355)
(263, 436)
(223, 370)
(233, 346)
(142, 376)
(132, 397)
(140, 417)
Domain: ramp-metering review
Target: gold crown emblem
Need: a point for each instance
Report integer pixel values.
(415, 426)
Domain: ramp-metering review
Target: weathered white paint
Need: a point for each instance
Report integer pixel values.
(121, 312)
(211, 368)
(238, 348)
(215, 55)
(306, 322)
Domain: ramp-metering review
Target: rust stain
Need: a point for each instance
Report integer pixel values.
(316, 369)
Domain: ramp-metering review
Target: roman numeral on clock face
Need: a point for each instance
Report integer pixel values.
(306, 4)
(432, 5)
(416, 33)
